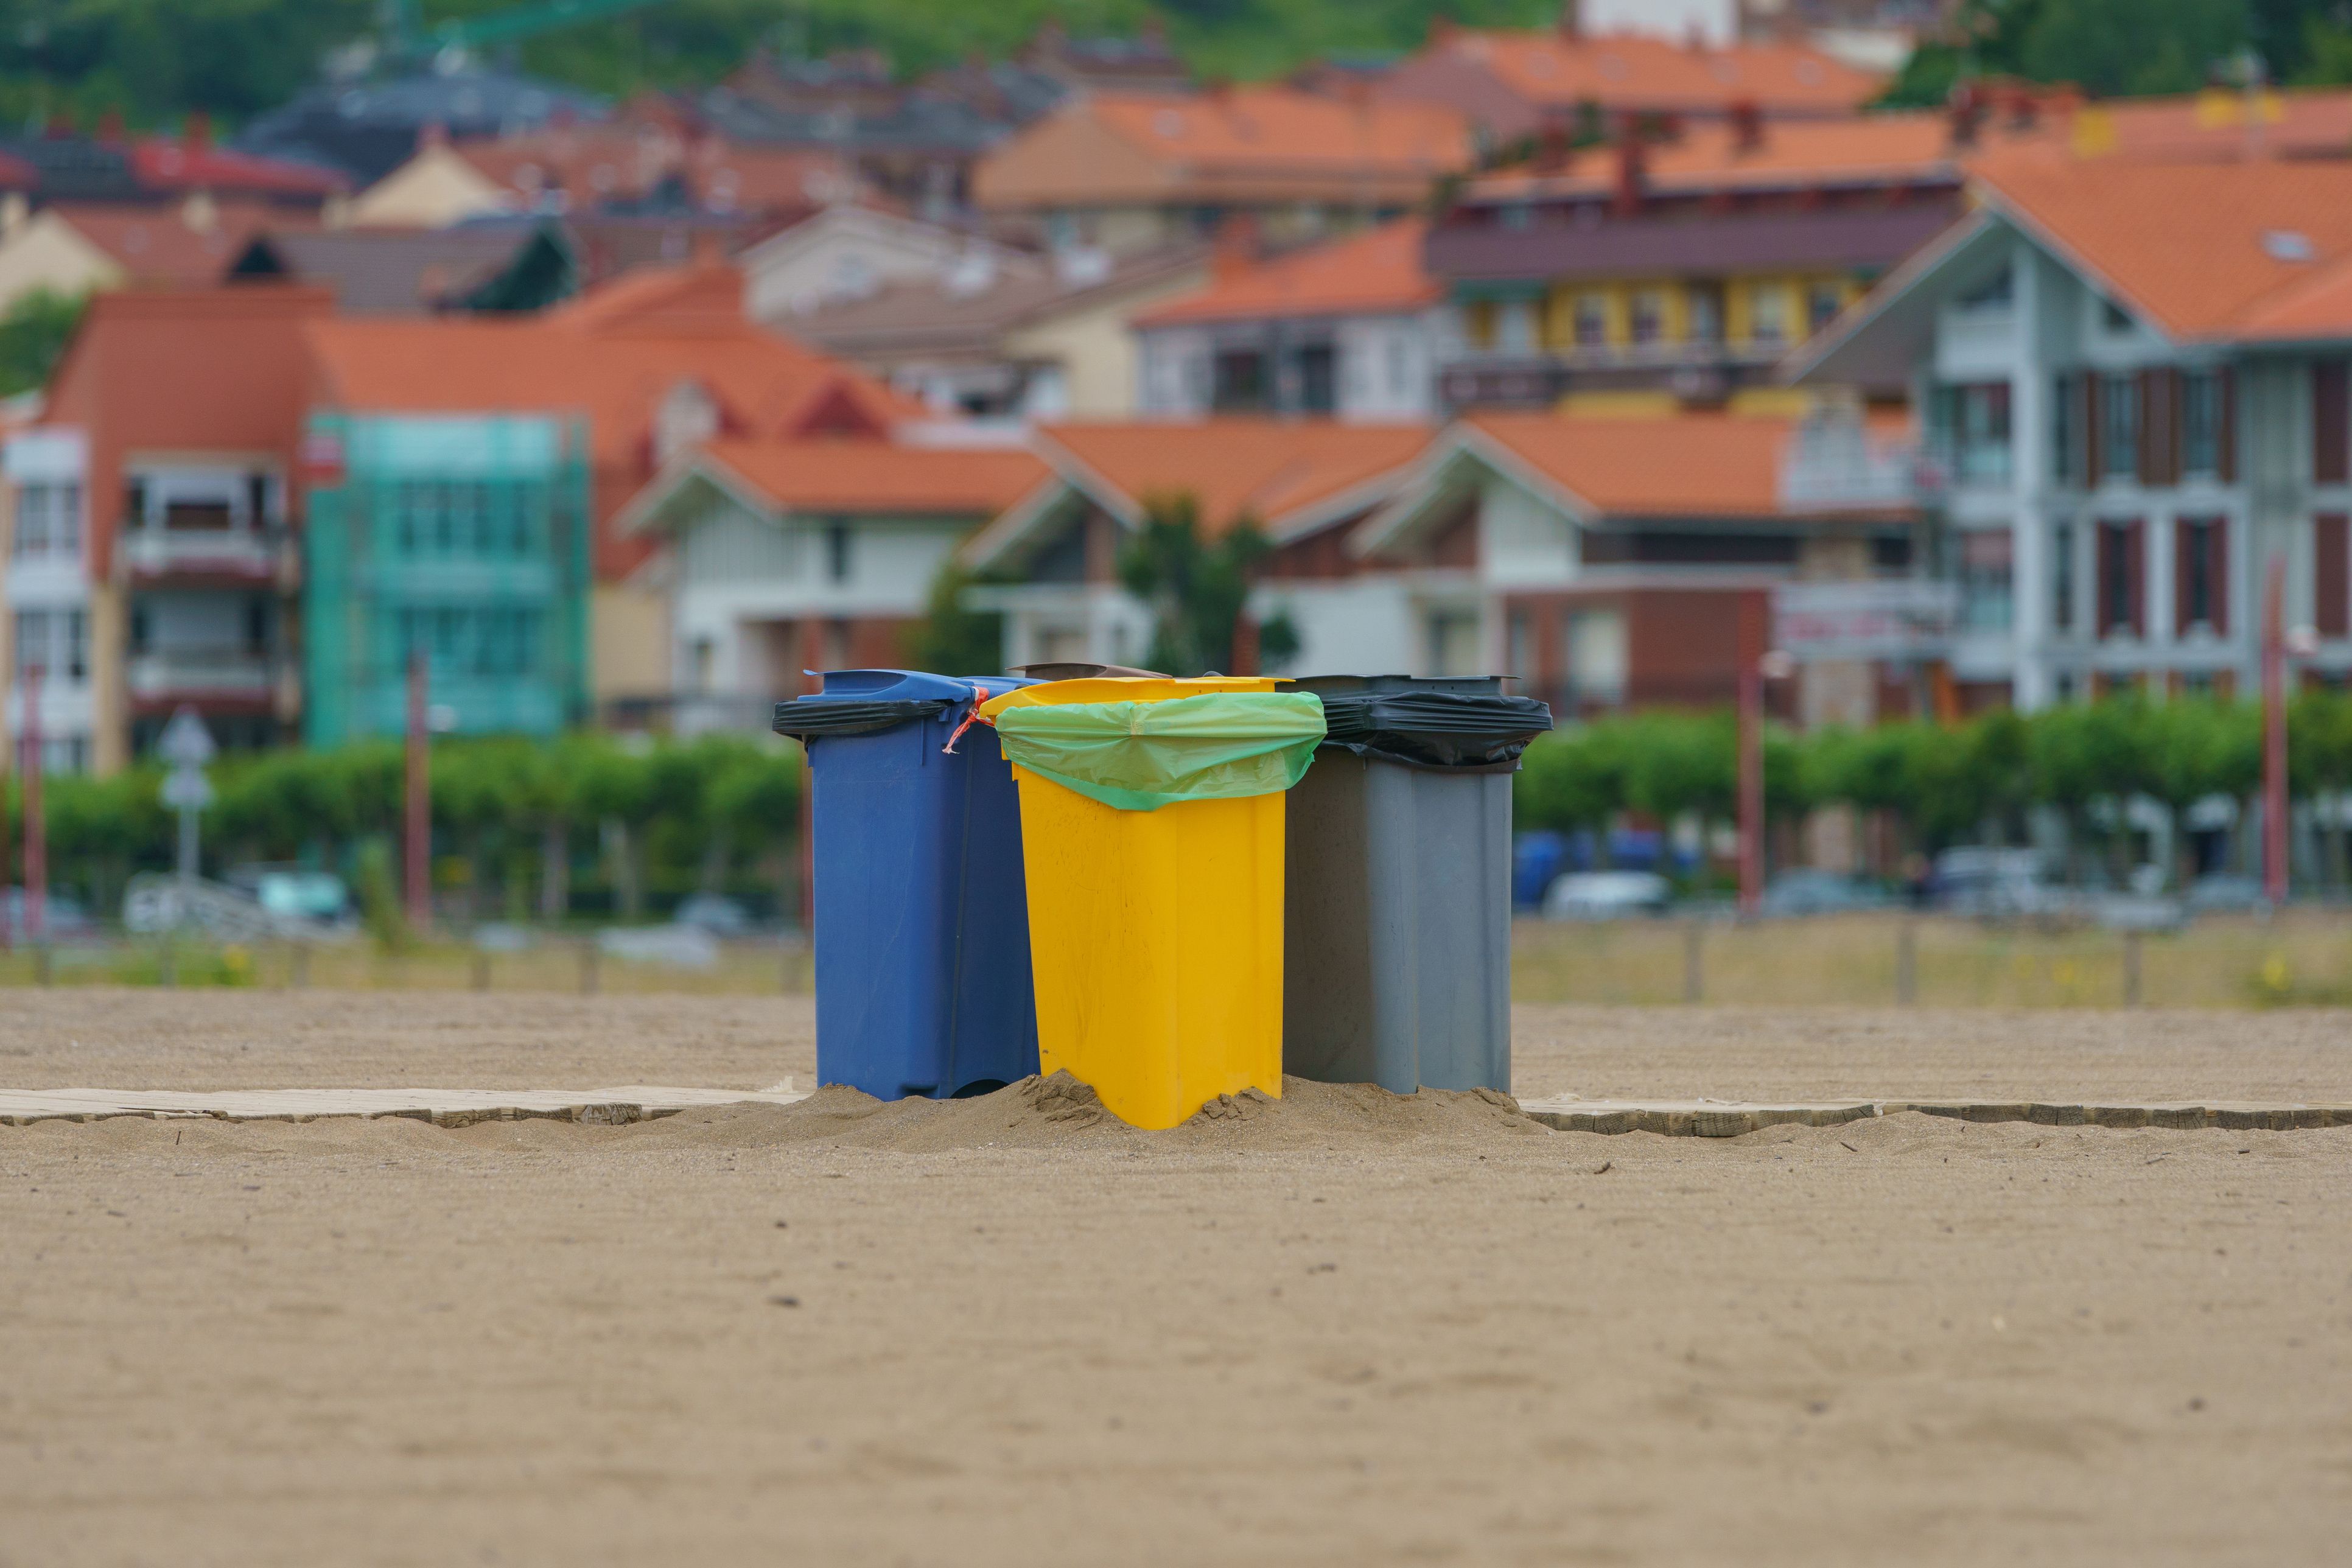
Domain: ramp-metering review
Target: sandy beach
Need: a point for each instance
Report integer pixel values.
(1344, 1329)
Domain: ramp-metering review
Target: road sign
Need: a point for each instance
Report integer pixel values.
(186, 742)
(187, 790)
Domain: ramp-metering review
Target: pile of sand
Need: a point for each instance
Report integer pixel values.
(1059, 1113)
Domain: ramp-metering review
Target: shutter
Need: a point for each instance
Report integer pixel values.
(2093, 438)
(2135, 577)
(2111, 549)
(2332, 558)
(2185, 544)
(2151, 442)
(2217, 572)
(2226, 437)
(2176, 425)
(2331, 423)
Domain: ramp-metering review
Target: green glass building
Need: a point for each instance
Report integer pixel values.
(464, 537)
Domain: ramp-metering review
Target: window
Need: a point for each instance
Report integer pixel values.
(1705, 304)
(256, 500)
(1515, 331)
(197, 517)
(1454, 642)
(141, 630)
(2114, 317)
(2201, 424)
(2061, 577)
(2201, 573)
(1822, 303)
(1478, 324)
(1521, 660)
(2119, 427)
(1649, 317)
(1985, 580)
(1397, 351)
(1993, 294)
(1591, 321)
(32, 520)
(257, 625)
(1595, 645)
(65, 520)
(1240, 381)
(2062, 429)
(2119, 578)
(32, 640)
(77, 646)
(1318, 378)
(1970, 426)
(1768, 314)
(836, 552)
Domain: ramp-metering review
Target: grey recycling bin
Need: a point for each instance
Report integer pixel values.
(1397, 893)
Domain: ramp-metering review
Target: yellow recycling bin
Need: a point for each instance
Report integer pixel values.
(1155, 934)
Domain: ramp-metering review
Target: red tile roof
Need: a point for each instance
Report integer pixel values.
(1261, 468)
(878, 475)
(591, 164)
(1875, 149)
(1550, 67)
(1680, 465)
(164, 164)
(156, 245)
(2199, 248)
(1377, 273)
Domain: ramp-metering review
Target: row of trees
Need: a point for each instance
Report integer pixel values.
(521, 828)
(1973, 783)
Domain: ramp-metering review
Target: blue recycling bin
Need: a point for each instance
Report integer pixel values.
(921, 916)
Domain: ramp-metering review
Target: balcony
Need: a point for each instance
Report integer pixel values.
(1837, 465)
(240, 557)
(1695, 372)
(218, 677)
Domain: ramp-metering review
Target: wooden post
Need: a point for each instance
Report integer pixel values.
(588, 956)
(167, 966)
(1693, 976)
(2275, 820)
(481, 969)
(41, 974)
(2131, 969)
(1907, 962)
(301, 966)
(36, 838)
(417, 847)
(1751, 753)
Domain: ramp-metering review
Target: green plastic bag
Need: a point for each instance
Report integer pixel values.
(1140, 756)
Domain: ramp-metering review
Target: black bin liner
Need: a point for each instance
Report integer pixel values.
(810, 717)
(1455, 730)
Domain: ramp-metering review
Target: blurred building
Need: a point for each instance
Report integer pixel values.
(1567, 81)
(1131, 172)
(783, 556)
(1691, 266)
(71, 248)
(1601, 559)
(153, 558)
(849, 251)
(1305, 484)
(1348, 327)
(362, 130)
(1009, 337)
(416, 272)
(2131, 370)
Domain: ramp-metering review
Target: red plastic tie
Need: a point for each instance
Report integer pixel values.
(971, 716)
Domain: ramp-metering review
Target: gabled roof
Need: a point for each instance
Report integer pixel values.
(1289, 477)
(1791, 154)
(591, 164)
(2199, 249)
(157, 245)
(958, 312)
(1377, 273)
(1686, 466)
(161, 164)
(868, 477)
(1242, 144)
(1552, 67)
(385, 271)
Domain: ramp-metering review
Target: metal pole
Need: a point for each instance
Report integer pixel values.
(1751, 753)
(36, 838)
(2274, 802)
(417, 835)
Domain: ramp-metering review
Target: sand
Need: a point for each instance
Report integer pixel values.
(1341, 1329)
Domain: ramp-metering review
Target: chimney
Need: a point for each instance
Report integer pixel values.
(1626, 200)
(1747, 126)
(196, 131)
(1571, 18)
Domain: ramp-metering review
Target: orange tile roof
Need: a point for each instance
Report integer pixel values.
(2202, 249)
(1376, 273)
(590, 165)
(1655, 466)
(1268, 143)
(1552, 68)
(1267, 469)
(156, 245)
(879, 476)
(1872, 149)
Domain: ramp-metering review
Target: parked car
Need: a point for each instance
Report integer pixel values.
(1608, 895)
(719, 916)
(295, 893)
(2227, 896)
(1808, 892)
(1999, 883)
(62, 919)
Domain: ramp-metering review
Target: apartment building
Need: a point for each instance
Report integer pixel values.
(1690, 265)
(152, 555)
(1124, 172)
(2131, 374)
(1348, 327)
